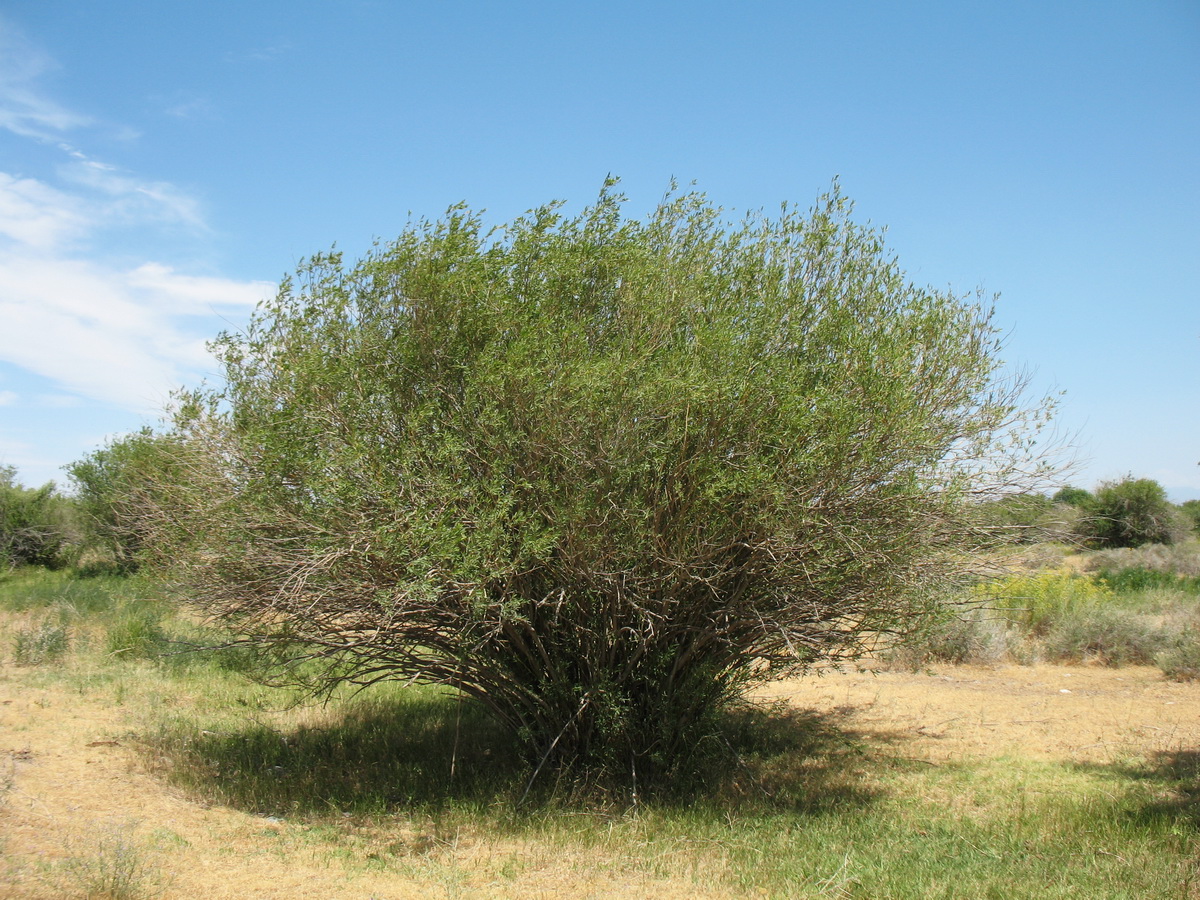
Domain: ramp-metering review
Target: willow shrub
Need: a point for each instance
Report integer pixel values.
(600, 474)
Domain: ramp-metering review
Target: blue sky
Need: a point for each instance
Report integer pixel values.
(162, 165)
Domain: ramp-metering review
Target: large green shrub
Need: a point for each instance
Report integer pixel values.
(34, 523)
(114, 485)
(1129, 513)
(598, 473)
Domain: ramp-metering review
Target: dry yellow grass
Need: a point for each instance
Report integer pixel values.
(77, 781)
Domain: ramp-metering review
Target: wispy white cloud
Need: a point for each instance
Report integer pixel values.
(37, 215)
(116, 193)
(264, 53)
(119, 333)
(109, 334)
(24, 110)
(191, 108)
(8, 398)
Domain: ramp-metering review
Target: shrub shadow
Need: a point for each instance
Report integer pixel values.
(1178, 772)
(1173, 778)
(430, 752)
(782, 758)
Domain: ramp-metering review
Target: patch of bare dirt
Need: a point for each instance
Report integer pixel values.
(77, 784)
(1066, 713)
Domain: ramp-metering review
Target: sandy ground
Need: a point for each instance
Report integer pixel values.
(80, 791)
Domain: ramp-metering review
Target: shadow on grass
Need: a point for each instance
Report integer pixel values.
(428, 752)
(1169, 788)
(1176, 775)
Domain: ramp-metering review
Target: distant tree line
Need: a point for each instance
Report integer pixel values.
(1127, 512)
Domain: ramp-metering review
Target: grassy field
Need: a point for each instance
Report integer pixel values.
(1033, 766)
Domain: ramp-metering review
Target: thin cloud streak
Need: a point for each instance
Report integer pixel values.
(112, 335)
(23, 109)
(117, 334)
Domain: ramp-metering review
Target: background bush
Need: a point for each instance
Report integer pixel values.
(35, 524)
(1191, 509)
(1130, 513)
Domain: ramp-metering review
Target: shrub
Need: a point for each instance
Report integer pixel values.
(961, 635)
(1191, 510)
(1072, 496)
(1181, 660)
(1181, 559)
(1130, 513)
(45, 642)
(1038, 602)
(135, 633)
(34, 523)
(113, 486)
(599, 474)
(113, 867)
(1115, 637)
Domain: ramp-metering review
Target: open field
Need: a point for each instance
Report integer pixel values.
(129, 777)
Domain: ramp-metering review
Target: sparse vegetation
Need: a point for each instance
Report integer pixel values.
(42, 643)
(405, 783)
(112, 866)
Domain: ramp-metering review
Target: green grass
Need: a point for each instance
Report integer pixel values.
(804, 807)
(813, 810)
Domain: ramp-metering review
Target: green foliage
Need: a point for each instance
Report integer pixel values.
(1129, 513)
(1191, 509)
(1140, 578)
(1072, 496)
(39, 589)
(1112, 636)
(600, 474)
(113, 486)
(136, 633)
(34, 523)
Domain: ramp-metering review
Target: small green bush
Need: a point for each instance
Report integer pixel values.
(1181, 660)
(35, 524)
(1191, 510)
(1072, 496)
(1115, 637)
(45, 642)
(136, 633)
